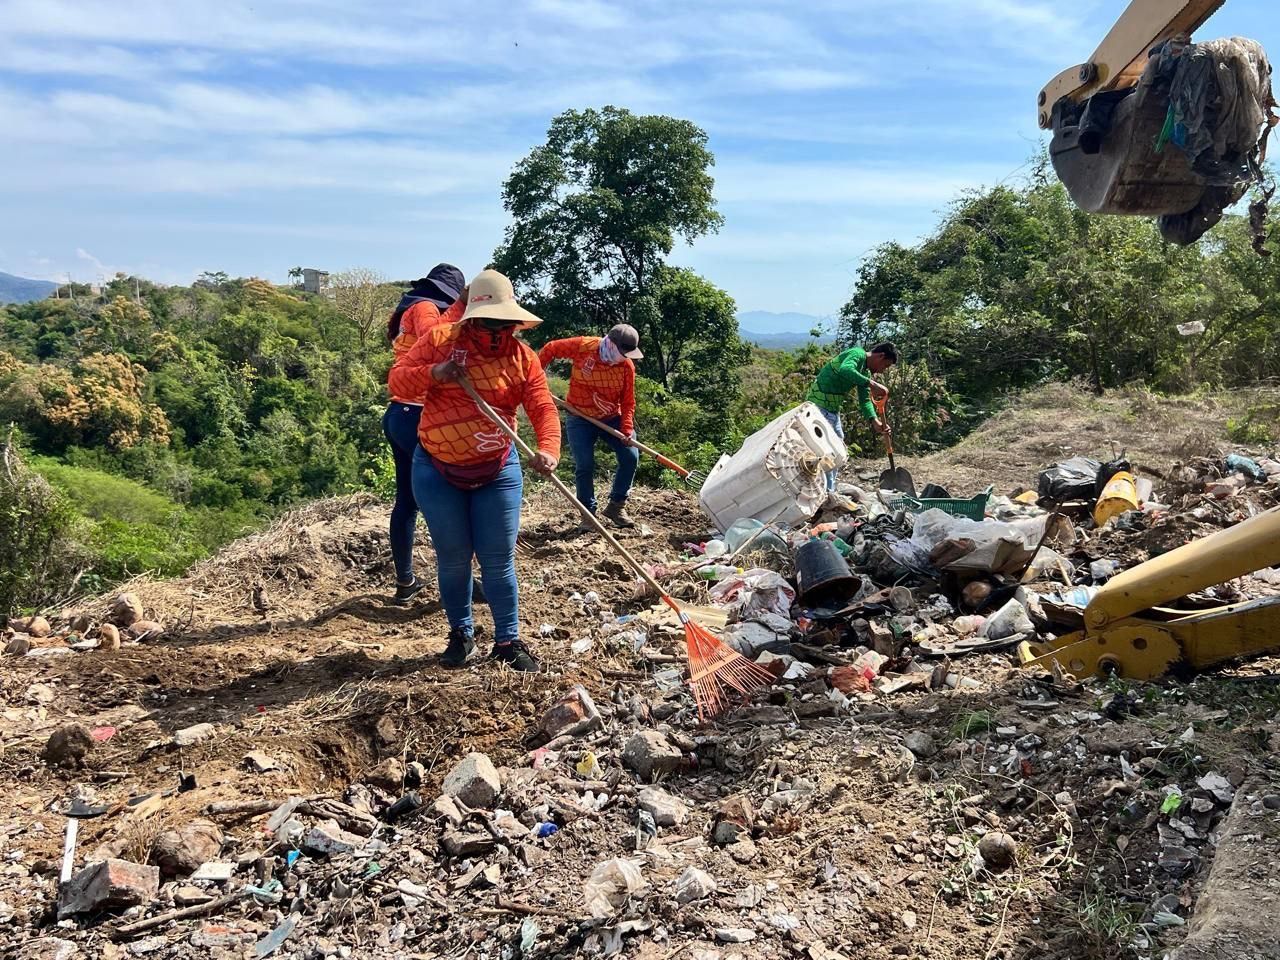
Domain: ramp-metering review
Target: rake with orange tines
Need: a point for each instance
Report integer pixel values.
(713, 667)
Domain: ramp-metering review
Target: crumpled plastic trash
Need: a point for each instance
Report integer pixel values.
(1250, 468)
(1010, 619)
(755, 591)
(997, 547)
(610, 884)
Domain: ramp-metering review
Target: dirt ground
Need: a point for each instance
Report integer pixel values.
(867, 816)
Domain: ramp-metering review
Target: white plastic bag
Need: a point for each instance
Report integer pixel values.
(1010, 619)
(610, 884)
(754, 592)
(998, 547)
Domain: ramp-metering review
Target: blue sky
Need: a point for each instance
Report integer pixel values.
(167, 138)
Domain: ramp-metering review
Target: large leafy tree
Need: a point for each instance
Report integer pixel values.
(598, 207)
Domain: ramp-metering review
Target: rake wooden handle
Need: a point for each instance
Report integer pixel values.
(632, 441)
(587, 515)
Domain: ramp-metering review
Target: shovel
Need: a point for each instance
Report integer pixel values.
(895, 478)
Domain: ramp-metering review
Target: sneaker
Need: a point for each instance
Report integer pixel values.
(516, 655)
(583, 528)
(461, 647)
(617, 513)
(407, 591)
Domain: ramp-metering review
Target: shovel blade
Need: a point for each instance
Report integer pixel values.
(898, 479)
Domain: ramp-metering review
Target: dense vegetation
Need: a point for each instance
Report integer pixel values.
(152, 424)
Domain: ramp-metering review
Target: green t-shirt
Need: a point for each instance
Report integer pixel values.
(843, 373)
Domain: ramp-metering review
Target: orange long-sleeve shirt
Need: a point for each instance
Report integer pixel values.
(414, 322)
(596, 388)
(452, 428)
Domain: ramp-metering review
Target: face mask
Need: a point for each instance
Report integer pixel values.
(609, 352)
(495, 333)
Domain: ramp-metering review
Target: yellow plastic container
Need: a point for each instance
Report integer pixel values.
(1120, 495)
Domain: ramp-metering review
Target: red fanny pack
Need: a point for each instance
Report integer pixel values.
(472, 476)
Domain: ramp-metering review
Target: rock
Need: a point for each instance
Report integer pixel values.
(40, 693)
(732, 821)
(329, 839)
(572, 715)
(744, 851)
(387, 775)
(126, 610)
(190, 736)
(183, 851)
(215, 871)
(189, 896)
(998, 850)
(909, 919)
(921, 744)
(37, 627)
(882, 639)
(445, 807)
(68, 746)
(144, 630)
(666, 810)
(81, 623)
(693, 885)
(109, 634)
(19, 645)
(459, 843)
(258, 762)
(474, 782)
(108, 884)
(1218, 786)
(735, 934)
(649, 755)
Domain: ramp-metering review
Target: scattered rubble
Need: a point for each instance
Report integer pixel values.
(899, 777)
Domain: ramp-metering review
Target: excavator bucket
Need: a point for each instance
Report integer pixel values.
(1104, 152)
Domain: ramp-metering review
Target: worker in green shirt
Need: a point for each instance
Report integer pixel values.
(848, 371)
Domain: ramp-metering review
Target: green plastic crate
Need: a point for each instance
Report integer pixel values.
(975, 508)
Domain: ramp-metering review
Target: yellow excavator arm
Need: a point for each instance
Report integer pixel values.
(1121, 57)
(1127, 632)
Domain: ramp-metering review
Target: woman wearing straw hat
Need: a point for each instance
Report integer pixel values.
(466, 476)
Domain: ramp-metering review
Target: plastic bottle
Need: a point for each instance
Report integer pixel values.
(716, 571)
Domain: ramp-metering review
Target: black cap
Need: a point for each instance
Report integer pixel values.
(627, 340)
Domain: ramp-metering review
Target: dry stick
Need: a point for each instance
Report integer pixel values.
(200, 910)
(630, 441)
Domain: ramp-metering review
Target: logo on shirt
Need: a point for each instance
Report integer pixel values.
(459, 356)
(588, 365)
(490, 442)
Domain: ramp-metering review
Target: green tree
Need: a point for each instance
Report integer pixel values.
(597, 209)
(689, 329)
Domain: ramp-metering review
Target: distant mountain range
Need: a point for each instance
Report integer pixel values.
(781, 331)
(21, 290)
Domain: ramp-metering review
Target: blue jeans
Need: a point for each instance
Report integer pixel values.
(481, 523)
(400, 424)
(582, 437)
(838, 427)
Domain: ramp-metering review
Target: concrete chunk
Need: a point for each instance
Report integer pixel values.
(474, 781)
(108, 884)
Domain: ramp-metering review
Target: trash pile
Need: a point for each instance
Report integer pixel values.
(881, 591)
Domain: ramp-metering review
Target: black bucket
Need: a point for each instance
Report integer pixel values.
(823, 577)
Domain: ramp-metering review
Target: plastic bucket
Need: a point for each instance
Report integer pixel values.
(1120, 495)
(822, 575)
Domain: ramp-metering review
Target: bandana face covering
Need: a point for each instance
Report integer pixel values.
(609, 352)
